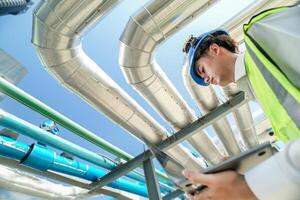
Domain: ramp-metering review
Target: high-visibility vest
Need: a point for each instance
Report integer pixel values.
(276, 93)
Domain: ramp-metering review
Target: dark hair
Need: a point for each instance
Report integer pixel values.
(222, 40)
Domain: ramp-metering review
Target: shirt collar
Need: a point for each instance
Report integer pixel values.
(239, 67)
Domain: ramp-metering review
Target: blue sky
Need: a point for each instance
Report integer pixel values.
(102, 45)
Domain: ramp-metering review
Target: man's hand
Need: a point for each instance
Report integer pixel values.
(228, 185)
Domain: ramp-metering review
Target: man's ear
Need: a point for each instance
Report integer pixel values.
(214, 49)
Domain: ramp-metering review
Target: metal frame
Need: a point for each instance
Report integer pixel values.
(171, 141)
(173, 194)
(151, 180)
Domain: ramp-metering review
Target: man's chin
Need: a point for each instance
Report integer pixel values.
(223, 83)
(219, 83)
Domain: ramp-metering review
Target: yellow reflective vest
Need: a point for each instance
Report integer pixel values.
(277, 94)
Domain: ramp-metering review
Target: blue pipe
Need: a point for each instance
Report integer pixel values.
(13, 149)
(44, 159)
(22, 127)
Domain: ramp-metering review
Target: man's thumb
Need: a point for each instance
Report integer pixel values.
(198, 178)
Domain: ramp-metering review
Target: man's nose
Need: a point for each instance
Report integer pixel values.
(206, 79)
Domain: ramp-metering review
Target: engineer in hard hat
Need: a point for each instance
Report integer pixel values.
(214, 58)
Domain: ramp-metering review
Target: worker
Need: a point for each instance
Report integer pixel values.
(213, 58)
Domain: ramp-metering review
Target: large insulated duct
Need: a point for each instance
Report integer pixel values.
(45, 159)
(145, 31)
(58, 27)
(243, 118)
(207, 100)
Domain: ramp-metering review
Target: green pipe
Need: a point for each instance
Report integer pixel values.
(38, 106)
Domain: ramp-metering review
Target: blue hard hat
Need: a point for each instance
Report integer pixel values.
(190, 48)
(50, 126)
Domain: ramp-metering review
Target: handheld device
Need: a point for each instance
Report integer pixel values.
(240, 163)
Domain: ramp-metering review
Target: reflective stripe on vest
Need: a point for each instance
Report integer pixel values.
(279, 98)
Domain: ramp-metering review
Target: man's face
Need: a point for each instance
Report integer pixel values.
(216, 66)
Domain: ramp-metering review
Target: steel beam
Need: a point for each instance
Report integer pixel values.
(173, 195)
(181, 135)
(119, 170)
(151, 180)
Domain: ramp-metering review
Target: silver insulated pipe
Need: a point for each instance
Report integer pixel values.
(145, 31)
(58, 27)
(243, 118)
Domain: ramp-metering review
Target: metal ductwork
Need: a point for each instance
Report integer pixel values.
(207, 100)
(58, 27)
(243, 118)
(145, 31)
